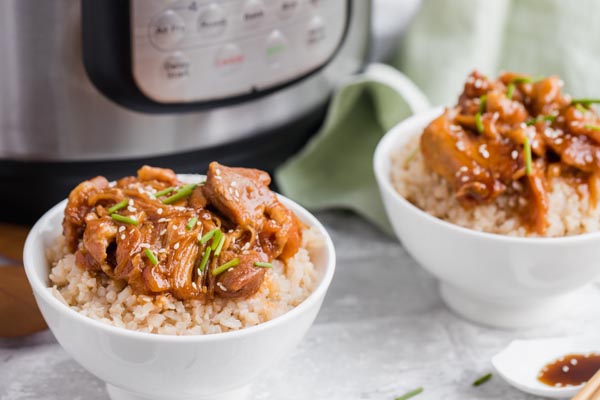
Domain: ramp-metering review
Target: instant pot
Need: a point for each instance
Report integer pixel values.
(100, 87)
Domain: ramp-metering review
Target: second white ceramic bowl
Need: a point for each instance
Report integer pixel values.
(144, 366)
(492, 279)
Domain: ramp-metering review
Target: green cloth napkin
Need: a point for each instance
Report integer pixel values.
(446, 40)
(450, 38)
(335, 169)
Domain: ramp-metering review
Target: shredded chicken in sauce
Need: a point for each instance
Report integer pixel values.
(512, 136)
(192, 241)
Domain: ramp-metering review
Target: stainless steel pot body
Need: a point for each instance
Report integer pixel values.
(50, 110)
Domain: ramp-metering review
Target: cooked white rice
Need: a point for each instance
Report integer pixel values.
(569, 211)
(113, 302)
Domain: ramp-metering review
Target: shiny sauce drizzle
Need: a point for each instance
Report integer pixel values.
(570, 370)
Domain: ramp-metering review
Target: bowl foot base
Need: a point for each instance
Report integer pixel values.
(119, 394)
(505, 315)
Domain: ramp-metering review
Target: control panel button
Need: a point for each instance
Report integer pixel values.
(254, 12)
(229, 58)
(276, 46)
(176, 67)
(167, 29)
(316, 31)
(287, 8)
(212, 21)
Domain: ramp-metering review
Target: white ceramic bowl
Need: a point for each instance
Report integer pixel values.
(138, 365)
(492, 279)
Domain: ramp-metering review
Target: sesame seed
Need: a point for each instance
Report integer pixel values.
(464, 178)
(131, 209)
(163, 232)
(220, 285)
(573, 361)
(144, 245)
(514, 154)
(176, 246)
(130, 202)
(218, 178)
(194, 285)
(164, 220)
(123, 236)
(121, 228)
(565, 369)
(234, 183)
(175, 227)
(159, 211)
(460, 145)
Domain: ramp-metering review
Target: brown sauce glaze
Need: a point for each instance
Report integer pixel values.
(570, 370)
(512, 136)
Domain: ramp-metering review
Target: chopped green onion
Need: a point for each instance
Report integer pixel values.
(220, 245)
(482, 380)
(510, 89)
(184, 192)
(410, 157)
(581, 108)
(585, 102)
(482, 103)
(204, 261)
(478, 122)
(592, 127)
(191, 223)
(124, 219)
(164, 192)
(216, 240)
(263, 264)
(118, 206)
(410, 394)
(533, 121)
(151, 256)
(527, 151)
(524, 79)
(229, 264)
(208, 235)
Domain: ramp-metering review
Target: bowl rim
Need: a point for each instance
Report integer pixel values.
(41, 289)
(393, 139)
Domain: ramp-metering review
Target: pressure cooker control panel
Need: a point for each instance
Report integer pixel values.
(190, 51)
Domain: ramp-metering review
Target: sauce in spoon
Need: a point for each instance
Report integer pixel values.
(570, 370)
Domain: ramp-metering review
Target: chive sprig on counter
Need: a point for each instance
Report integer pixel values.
(410, 395)
(483, 379)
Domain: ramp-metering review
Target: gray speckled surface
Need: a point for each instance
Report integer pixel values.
(382, 330)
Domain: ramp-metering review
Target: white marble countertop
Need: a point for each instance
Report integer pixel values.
(383, 330)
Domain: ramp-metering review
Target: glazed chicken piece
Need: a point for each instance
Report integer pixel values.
(480, 147)
(464, 161)
(132, 232)
(243, 280)
(78, 208)
(243, 195)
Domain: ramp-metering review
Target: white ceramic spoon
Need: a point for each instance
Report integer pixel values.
(520, 363)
